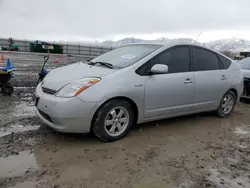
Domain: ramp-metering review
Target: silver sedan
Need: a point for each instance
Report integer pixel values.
(137, 83)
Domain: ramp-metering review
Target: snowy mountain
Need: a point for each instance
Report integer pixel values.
(123, 42)
(232, 44)
(135, 40)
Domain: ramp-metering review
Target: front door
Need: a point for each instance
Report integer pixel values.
(172, 93)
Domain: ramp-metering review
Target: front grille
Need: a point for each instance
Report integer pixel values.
(46, 116)
(49, 91)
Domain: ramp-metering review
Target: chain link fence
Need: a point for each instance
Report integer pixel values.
(76, 49)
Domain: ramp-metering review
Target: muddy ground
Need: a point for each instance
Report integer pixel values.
(188, 152)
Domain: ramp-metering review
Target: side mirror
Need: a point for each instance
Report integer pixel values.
(159, 69)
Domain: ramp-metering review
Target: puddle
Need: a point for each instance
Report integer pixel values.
(17, 128)
(17, 165)
(239, 130)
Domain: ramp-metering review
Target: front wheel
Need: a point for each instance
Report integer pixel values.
(113, 120)
(227, 104)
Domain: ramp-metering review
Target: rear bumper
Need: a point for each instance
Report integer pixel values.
(70, 115)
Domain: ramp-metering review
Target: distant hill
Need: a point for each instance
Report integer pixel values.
(135, 40)
(232, 44)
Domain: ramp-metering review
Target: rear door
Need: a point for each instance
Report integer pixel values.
(211, 79)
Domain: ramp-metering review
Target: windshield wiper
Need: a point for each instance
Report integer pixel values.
(85, 61)
(109, 65)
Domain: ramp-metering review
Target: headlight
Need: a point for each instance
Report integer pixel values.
(75, 88)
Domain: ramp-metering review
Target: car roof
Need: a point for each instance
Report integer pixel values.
(170, 44)
(178, 43)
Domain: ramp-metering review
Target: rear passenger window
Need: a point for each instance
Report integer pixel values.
(205, 60)
(225, 62)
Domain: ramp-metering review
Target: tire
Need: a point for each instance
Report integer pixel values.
(7, 89)
(109, 112)
(221, 112)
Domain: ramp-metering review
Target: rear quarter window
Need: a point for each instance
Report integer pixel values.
(205, 60)
(225, 62)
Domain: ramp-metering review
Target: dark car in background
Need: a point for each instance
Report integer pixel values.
(245, 66)
(44, 47)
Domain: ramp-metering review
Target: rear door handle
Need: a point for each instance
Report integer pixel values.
(188, 81)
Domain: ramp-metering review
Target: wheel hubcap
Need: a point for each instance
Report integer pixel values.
(116, 121)
(227, 104)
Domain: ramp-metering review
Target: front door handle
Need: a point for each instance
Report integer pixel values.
(188, 81)
(223, 77)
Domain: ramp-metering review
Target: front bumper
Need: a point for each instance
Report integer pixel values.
(70, 115)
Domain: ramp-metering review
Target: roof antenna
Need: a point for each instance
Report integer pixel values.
(196, 40)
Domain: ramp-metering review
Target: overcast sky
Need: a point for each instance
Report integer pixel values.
(74, 20)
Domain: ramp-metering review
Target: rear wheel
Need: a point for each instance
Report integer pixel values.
(113, 120)
(227, 104)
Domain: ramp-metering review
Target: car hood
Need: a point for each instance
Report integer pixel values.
(59, 77)
(246, 73)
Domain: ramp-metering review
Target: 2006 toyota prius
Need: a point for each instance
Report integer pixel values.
(136, 84)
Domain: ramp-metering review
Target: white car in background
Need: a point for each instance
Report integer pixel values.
(245, 67)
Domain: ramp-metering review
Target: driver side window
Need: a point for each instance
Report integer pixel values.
(177, 59)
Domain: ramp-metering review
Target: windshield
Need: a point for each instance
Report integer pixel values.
(245, 63)
(126, 55)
